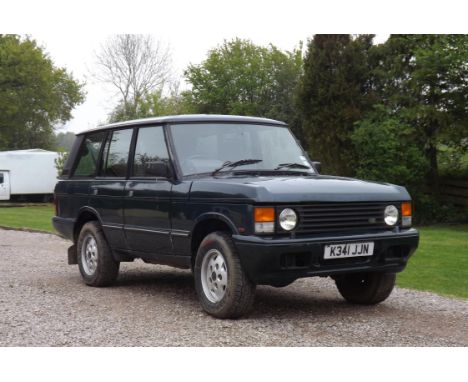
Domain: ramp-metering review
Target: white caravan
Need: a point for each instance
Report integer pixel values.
(26, 174)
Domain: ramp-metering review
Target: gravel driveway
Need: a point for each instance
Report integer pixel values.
(44, 303)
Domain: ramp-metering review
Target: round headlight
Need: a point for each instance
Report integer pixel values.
(391, 215)
(288, 219)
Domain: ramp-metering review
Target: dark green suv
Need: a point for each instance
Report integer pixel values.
(235, 199)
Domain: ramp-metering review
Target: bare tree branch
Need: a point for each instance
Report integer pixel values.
(135, 65)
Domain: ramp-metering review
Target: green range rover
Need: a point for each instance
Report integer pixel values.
(234, 199)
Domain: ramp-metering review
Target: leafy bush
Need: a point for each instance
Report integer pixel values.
(428, 209)
(386, 150)
(453, 160)
(60, 161)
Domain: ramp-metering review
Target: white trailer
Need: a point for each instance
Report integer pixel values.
(27, 173)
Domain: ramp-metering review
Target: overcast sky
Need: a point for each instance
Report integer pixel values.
(72, 31)
(76, 53)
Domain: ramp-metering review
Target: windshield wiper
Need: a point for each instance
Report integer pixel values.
(292, 165)
(242, 162)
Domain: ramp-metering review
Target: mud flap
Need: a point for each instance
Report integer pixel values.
(72, 255)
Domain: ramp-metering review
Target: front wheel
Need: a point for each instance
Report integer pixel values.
(366, 288)
(222, 286)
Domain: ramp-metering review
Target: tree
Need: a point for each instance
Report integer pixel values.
(387, 149)
(136, 66)
(424, 79)
(64, 141)
(334, 93)
(60, 161)
(239, 77)
(34, 95)
(154, 105)
(420, 116)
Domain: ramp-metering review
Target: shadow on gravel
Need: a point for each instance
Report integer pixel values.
(155, 279)
(284, 303)
(270, 302)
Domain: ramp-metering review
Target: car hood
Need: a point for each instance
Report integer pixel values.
(292, 189)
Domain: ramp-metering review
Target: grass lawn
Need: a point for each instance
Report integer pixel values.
(440, 264)
(36, 217)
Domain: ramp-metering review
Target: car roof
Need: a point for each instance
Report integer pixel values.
(189, 118)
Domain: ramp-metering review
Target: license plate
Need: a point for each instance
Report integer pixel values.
(340, 251)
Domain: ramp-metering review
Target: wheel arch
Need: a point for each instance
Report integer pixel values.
(85, 215)
(206, 224)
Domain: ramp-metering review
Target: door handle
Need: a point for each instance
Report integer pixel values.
(95, 191)
(130, 193)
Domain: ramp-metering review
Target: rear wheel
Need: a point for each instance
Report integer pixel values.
(366, 288)
(97, 266)
(222, 286)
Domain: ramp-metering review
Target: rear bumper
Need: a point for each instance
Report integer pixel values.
(64, 226)
(270, 261)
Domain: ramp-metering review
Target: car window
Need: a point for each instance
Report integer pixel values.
(88, 156)
(115, 157)
(150, 148)
(1, 178)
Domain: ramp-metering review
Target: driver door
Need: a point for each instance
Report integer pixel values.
(147, 200)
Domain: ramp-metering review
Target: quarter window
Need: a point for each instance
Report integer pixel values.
(115, 158)
(88, 156)
(150, 149)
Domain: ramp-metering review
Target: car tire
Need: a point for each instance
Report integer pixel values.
(366, 288)
(223, 288)
(95, 261)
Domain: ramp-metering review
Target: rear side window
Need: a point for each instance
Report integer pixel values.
(71, 157)
(115, 158)
(1, 178)
(150, 148)
(88, 155)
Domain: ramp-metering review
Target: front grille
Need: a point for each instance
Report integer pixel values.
(336, 217)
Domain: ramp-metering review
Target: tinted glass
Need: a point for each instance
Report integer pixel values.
(150, 148)
(205, 147)
(115, 158)
(88, 156)
(1, 178)
(71, 157)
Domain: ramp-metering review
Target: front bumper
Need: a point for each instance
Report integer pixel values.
(282, 260)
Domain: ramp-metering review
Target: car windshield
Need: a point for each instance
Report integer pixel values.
(203, 148)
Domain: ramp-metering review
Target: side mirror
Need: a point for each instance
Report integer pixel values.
(158, 169)
(317, 166)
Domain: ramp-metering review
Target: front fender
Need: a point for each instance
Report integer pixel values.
(217, 216)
